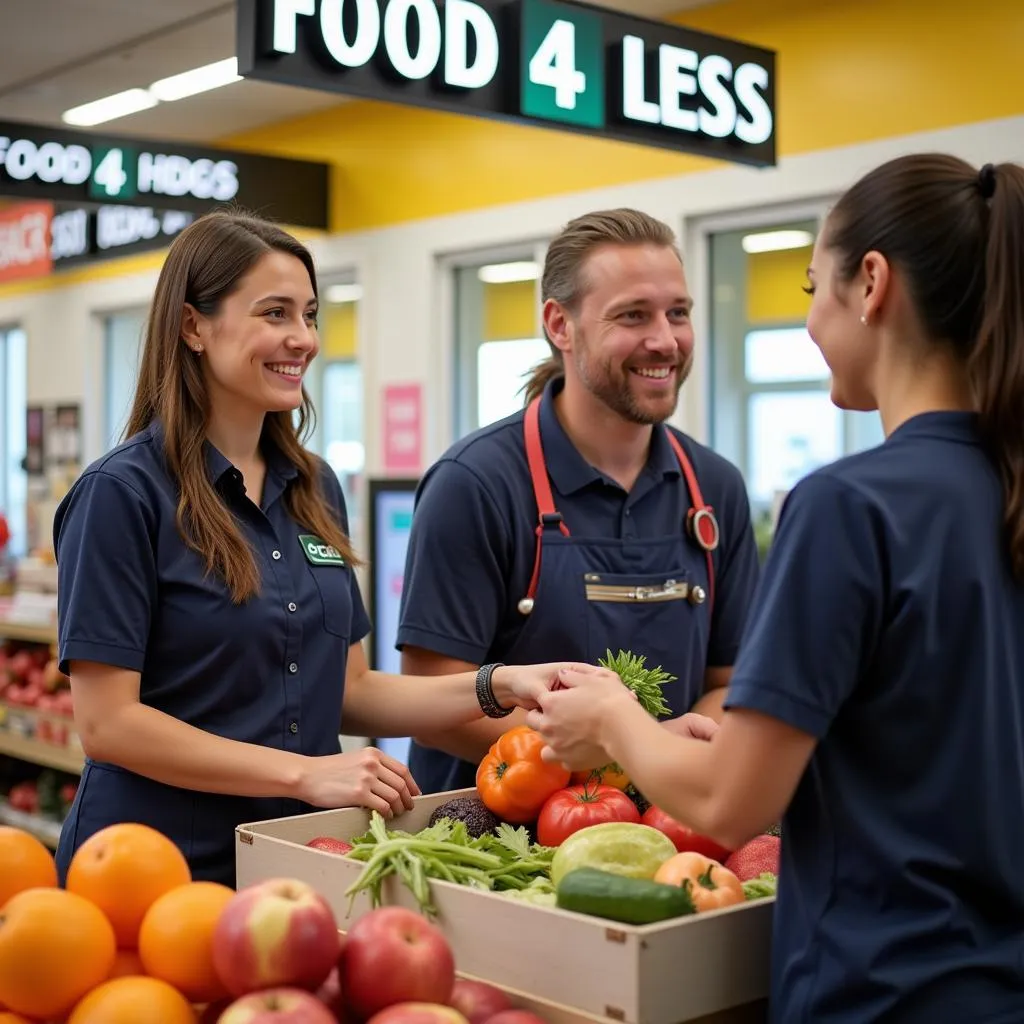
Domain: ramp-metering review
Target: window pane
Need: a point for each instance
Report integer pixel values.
(502, 368)
(341, 419)
(123, 337)
(790, 434)
(13, 479)
(785, 354)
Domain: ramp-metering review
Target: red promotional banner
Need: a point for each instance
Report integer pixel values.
(25, 241)
(403, 428)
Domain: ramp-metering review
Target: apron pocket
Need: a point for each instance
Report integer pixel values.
(334, 584)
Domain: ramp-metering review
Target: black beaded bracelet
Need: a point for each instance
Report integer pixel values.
(485, 693)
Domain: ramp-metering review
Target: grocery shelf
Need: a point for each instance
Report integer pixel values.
(49, 755)
(29, 632)
(44, 829)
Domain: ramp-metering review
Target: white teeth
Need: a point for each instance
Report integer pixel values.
(658, 374)
(290, 371)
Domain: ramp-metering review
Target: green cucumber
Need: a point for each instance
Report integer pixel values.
(618, 898)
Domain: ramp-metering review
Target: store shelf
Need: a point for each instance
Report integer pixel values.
(27, 631)
(44, 829)
(20, 742)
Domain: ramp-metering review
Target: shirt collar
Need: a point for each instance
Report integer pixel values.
(569, 470)
(944, 425)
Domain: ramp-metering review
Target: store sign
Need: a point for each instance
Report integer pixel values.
(25, 241)
(569, 65)
(37, 162)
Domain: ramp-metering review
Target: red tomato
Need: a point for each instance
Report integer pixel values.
(576, 807)
(685, 839)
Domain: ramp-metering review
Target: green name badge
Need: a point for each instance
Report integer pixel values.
(319, 553)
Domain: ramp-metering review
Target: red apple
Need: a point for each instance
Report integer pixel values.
(477, 1001)
(418, 1013)
(516, 1017)
(393, 955)
(212, 1011)
(280, 932)
(277, 1006)
(330, 845)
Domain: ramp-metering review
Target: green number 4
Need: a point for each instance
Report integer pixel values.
(564, 59)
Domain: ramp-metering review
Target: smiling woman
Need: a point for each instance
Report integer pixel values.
(209, 616)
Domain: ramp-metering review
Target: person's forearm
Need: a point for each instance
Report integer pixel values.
(710, 704)
(471, 742)
(160, 747)
(674, 773)
(381, 705)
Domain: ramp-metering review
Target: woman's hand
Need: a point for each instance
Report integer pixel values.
(522, 686)
(692, 726)
(572, 714)
(366, 778)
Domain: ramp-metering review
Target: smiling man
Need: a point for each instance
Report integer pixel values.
(584, 523)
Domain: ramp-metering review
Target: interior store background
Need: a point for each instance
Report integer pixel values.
(439, 222)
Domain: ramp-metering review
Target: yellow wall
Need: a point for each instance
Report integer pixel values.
(774, 280)
(510, 311)
(848, 71)
(338, 330)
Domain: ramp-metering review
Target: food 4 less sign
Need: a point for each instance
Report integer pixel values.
(582, 68)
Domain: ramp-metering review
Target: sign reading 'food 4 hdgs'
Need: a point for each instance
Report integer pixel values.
(563, 64)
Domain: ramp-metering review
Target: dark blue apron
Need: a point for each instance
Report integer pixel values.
(652, 596)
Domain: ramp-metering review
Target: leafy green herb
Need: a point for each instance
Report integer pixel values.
(646, 683)
(759, 888)
(501, 860)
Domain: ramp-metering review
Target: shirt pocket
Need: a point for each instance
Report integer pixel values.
(334, 585)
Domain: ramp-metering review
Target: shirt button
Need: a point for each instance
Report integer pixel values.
(293, 668)
(292, 606)
(294, 727)
(275, 555)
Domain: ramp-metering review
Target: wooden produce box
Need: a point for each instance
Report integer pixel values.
(684, 970)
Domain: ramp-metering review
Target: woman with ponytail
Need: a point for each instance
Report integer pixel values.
(877, 701)
(208, 612)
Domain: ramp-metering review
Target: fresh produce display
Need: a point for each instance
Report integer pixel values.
(30, 678)
(513, 780)
(329, 844)
(761, 887)
(471, 811)
(501, 860)
(758, 856)
(618, 898)
(575, 807)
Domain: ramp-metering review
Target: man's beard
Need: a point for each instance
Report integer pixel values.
(613, 387)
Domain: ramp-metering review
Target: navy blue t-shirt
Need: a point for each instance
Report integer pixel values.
(472, 546)
(888, 627)
(132, 595)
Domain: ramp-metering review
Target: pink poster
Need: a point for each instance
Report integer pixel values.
(403, 429)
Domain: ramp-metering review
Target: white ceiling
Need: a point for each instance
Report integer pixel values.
(58, 54)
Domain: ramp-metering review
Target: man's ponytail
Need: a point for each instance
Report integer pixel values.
(997, 359)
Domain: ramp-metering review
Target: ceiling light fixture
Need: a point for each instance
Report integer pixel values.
(336, 294)
(121, 104)
(508, 273)
(773, 241)
(189, 83)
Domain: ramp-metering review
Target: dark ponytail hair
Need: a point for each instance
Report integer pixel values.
(957, 236)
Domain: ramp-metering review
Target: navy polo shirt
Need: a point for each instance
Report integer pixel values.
(888, 627)
(472, 545)
(131, 594)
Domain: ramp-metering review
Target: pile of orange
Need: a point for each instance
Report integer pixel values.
(128, 938)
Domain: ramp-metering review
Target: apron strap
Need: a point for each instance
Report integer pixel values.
(547, 514)
(700, 520)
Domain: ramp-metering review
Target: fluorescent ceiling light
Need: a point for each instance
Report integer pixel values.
(188, 83)
(339, 293)
(121, 104)
(773, 241)
(506, 273)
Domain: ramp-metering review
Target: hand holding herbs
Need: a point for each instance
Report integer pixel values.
(504, 860)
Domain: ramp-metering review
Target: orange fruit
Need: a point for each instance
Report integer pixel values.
(176, 939)
(24, 863)
(124, 869)
(131, 1001)
(13, 1018)
(127, 964)
(54, 947)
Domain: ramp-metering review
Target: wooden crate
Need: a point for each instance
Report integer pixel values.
(677, 971)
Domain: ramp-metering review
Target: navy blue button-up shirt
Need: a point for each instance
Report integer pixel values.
(270, 671)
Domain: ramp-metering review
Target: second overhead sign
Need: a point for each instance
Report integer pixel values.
(569, 65)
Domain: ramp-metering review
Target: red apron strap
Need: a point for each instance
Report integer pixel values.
(547, 514)
(700, 520)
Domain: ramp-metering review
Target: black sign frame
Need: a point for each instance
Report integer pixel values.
(293, 192)
(310, 67)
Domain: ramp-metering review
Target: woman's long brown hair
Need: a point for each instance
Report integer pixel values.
(204, 265)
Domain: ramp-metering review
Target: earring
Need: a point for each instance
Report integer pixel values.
(198, 349)
(864, 320)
